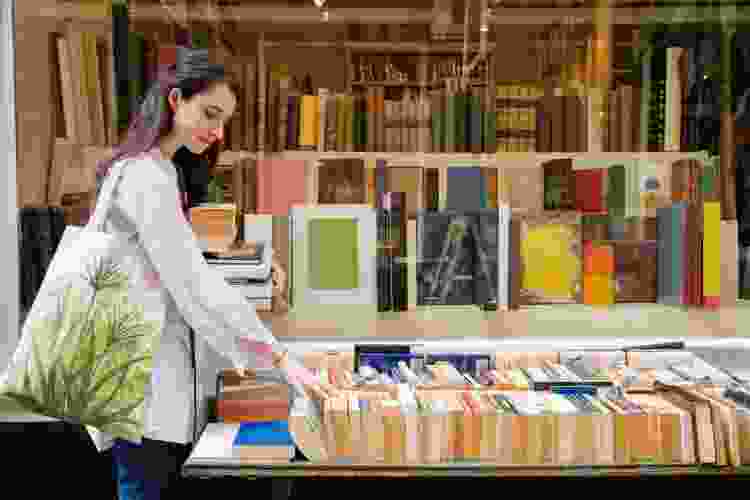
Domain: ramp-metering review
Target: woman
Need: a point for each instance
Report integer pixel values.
(188, 106)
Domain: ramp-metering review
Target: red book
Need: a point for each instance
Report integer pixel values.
(588, 191)
(229, 410)
(280, 185)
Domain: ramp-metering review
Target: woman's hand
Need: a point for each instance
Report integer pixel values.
(299, 375)
(278, 275)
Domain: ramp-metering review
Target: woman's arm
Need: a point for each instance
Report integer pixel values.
(149, 197)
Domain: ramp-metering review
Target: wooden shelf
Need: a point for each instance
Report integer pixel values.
(437, 48)
(408, 83)
(442, 160)
(572, 320)
(526, 101)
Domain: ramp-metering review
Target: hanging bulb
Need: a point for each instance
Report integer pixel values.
(319, 3)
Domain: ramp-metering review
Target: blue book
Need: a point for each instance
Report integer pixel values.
(464, 188)
(274, 433)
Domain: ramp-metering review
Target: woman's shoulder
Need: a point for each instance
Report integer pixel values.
(147, 167)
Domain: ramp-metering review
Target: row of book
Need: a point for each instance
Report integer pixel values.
(673, 425)
(364, 120)
(522, 371)
(605, 250)
(627, 188)
(530, 408)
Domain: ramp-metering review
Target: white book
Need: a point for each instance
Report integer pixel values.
(303, 255)
(323, 95)
(503, 257)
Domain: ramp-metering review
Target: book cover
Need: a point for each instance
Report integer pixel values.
(551, 256)
(445, 268)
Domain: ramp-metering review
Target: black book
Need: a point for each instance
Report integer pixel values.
(485, 272)
(446, 251)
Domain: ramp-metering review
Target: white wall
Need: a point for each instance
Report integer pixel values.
(9, 262)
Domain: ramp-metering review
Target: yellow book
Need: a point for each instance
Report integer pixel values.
(310, 111)
(711, 252)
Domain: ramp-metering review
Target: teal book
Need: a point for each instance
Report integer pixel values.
(273, 433)
(461, 122)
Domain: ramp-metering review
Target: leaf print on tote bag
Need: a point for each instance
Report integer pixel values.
(86, 348)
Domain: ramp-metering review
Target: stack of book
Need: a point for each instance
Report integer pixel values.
(214, 225)
(264, 442)
(248, 269)
(250, 399)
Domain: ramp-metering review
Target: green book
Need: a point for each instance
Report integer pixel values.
(450, 123)
(616, 177)
(489, 131)
(475, 114)
(334, 254)
(135, 70)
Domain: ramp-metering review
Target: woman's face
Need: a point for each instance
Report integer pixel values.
(200, 120)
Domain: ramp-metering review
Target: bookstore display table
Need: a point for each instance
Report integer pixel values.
(213, 457)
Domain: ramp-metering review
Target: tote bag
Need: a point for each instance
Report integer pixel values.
(86, 348)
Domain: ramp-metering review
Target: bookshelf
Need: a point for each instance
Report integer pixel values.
(418, 66)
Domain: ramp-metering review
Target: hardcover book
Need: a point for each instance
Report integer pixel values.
(551, 259)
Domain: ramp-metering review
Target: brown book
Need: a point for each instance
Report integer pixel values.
(546, 124)
(250, 105)
(243, 410)
(557, 121)
(559, 181)
(635, 272)
(431, 188)
(342, 181)
(272, 113)
(405, 180)
(571, 125)
(594, 229)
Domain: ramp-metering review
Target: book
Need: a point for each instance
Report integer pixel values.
(261, 441)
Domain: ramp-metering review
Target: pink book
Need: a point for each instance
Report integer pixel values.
(280, 185)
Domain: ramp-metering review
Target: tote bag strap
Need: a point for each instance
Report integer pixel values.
(101, 210)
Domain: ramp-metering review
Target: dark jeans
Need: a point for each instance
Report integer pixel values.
(151, 470)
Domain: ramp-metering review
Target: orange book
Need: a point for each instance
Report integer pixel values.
(598, 258)
(598, 289)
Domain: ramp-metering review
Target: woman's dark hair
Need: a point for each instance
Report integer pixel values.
(192, 74)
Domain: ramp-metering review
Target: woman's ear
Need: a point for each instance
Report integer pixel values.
(173, 98)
